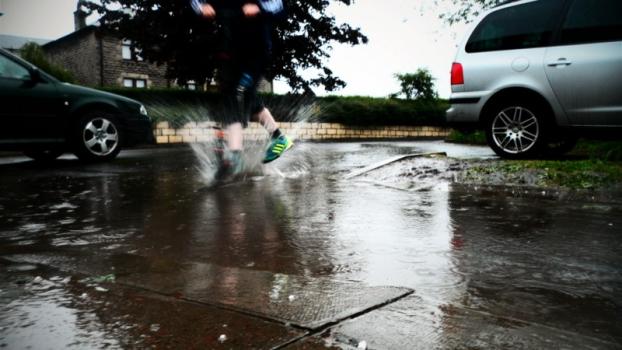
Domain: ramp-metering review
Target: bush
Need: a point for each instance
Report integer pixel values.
(367, 111)
(477, 137)
(34, 54)
(417, 86)
(178, 105)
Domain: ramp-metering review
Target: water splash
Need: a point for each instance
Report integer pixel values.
(296, 110)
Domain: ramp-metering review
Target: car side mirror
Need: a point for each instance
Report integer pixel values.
(35, 75)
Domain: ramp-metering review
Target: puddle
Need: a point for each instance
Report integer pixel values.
(484, 254)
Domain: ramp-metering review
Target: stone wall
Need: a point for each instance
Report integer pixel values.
(116, 68)
(204, 132)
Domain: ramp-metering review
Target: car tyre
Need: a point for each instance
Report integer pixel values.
(97, 137)
(44, 156)
(516, 130)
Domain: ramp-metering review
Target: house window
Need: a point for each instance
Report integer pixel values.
(126, 50)
(134, 83)
(129, 52)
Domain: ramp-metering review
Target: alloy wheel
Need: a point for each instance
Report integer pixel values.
(515, 130)
(100, 136)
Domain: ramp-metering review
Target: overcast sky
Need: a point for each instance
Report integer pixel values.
(403, 35)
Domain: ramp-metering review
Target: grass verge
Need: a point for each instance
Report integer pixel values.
(573, 174)
(592, 164)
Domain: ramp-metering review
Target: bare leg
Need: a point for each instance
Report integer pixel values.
(265, 118)
(235, 137)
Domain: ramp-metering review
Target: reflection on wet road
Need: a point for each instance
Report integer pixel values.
(138, 253)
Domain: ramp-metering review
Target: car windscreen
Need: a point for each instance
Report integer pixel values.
(516, 27)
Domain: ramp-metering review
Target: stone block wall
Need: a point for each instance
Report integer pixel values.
(116, 68)
(204, 132)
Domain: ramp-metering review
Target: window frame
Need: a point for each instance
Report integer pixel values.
(134, 54)
(135, 83)
(126, 45)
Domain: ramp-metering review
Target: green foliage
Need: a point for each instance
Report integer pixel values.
(417, 86)
(592, 164)
(473, 138)
(574, 174)
(170, 32)
(367, 111)
(177, 105)
(578, 174)
(34, 54)
(604, 150)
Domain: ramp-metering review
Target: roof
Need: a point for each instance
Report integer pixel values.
(13, 42)
(72, 35)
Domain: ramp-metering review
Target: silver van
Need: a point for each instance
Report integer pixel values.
(536, 74)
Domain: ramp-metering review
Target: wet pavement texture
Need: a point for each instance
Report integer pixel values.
(138, 253)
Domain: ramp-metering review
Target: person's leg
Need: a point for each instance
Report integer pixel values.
(265, 118)
(279, 142)
(239, 113)
(235, 137)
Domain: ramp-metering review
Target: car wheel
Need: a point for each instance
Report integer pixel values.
(97, 137)
(44, 156)
(516, 130)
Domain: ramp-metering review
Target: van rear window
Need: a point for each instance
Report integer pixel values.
(517, 27)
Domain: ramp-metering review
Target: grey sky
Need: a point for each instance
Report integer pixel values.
(46, 19)
(401, 39)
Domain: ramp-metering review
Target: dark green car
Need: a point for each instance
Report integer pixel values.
(45, 118)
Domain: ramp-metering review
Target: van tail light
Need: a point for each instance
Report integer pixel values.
(457, 74)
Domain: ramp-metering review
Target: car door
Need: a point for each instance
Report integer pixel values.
(29, 108)
(585, 69)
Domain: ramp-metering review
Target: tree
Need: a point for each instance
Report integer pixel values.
(34, 54)
(418, 85)
(170, 32)
(466, 10)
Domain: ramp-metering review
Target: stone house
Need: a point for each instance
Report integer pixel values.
(98, 57)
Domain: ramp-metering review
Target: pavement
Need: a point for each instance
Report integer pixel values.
(142, 253)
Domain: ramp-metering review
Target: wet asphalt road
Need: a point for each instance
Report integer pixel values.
(138, 253)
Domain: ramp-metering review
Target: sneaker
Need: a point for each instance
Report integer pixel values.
(230, 166)
(277, 147)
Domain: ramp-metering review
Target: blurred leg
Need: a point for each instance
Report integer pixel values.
(265, 118)
(235, 137)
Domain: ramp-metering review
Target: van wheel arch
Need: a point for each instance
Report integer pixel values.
(501, 131)
(519, 94)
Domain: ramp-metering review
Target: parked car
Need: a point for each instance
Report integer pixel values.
(537, 74)
(44, 117)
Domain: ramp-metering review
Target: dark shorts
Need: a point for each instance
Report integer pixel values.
(239, 96)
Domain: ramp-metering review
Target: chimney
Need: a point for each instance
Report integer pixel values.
(79, 17)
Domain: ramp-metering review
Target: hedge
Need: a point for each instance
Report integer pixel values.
(178, 106)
